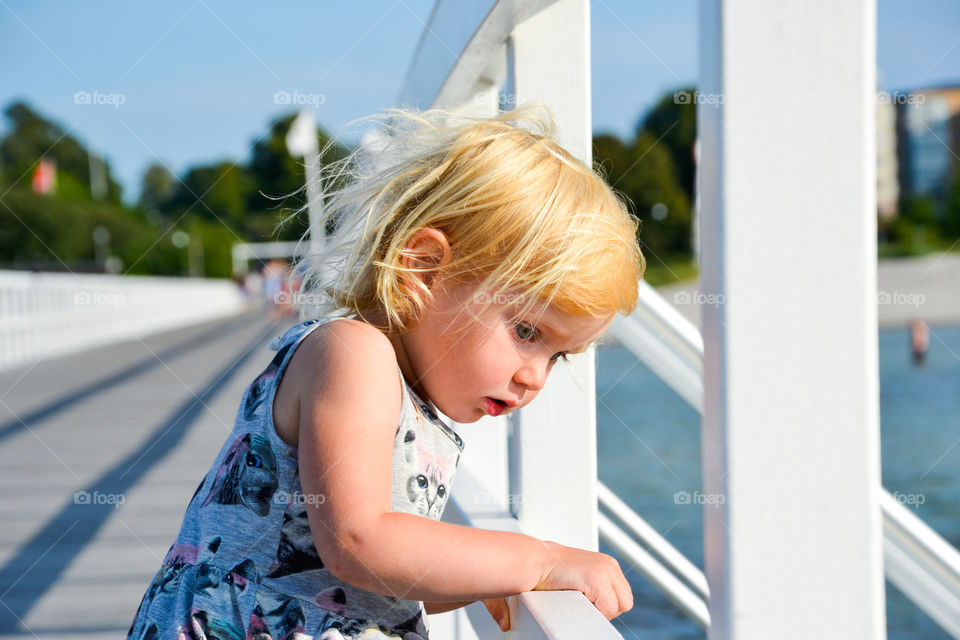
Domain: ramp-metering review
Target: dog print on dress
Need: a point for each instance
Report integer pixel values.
(247, 476)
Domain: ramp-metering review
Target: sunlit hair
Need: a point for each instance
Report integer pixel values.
(521, 214)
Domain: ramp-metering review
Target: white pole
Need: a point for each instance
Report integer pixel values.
(98, 177)
(302, 142)
(555, 438)
(791, 456)
(195, 247)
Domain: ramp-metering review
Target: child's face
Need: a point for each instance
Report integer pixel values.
(493, 359)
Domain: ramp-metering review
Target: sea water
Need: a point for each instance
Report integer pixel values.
(649, 455)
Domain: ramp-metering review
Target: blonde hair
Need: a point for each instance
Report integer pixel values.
(520, 213)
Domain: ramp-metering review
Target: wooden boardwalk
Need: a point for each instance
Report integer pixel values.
(133, 425)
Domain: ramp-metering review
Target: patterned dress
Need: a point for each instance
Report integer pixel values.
(244, 566)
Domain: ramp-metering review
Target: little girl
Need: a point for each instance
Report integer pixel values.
(465, 258)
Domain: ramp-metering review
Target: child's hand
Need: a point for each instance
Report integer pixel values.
(500, 611)
(596, 575)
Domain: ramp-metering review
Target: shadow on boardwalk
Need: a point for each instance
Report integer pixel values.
(100, 453)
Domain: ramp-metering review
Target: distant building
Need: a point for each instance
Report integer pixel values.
(888, 186)
(928, 137)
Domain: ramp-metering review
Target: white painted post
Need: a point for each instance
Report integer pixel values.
(302, 142)
(487, 457)
(554, 439)
(791, 427)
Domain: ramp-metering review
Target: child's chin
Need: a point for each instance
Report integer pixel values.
(469, 418)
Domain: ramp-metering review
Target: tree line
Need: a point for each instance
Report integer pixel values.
(225, 202)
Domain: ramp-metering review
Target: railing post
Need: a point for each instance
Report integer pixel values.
(786, 115)
(554, 444)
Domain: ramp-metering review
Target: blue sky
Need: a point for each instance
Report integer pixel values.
(197, 77)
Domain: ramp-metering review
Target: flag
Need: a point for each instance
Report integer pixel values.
(45, 176)
(302, 136)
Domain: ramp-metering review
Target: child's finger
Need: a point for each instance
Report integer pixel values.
(500, 611)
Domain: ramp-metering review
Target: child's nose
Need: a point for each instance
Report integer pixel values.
(532, 374)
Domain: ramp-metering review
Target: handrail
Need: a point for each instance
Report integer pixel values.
(918, 561)
(653, 570)
(666, 342)
(534, 615)
(921, 563)
(473, 32)
(48, 314)
(659, 546)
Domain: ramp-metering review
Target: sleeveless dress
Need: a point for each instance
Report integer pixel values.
(244, 565)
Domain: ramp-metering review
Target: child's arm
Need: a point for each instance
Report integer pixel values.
(349, 391)
(417, 558)
(443, 607)
(497, 607)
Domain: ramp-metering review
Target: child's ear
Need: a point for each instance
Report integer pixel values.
(428, 248)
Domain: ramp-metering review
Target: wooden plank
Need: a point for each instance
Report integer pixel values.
(80, 431)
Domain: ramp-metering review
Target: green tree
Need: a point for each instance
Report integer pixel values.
(280, 180)
(914, 231)
(217, 203)
(40, 232)
(157, 188)
(673, 121)
(32, 137)
(951, 217)
(919, 210)
(643, 172)
(277, 174)
(218, 193)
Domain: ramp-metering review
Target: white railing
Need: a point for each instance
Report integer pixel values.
(52, 314)
(243, 252)
(921, 564)
(535, 51)
(918, 561)
(670, 571)
(539, 51)
(534, 615)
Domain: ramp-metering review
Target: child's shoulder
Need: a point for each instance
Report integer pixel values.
(340, 364)
(344, 338)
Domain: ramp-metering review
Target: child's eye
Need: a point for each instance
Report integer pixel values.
(525, 332)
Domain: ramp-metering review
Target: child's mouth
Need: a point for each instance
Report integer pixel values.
(494, 407)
